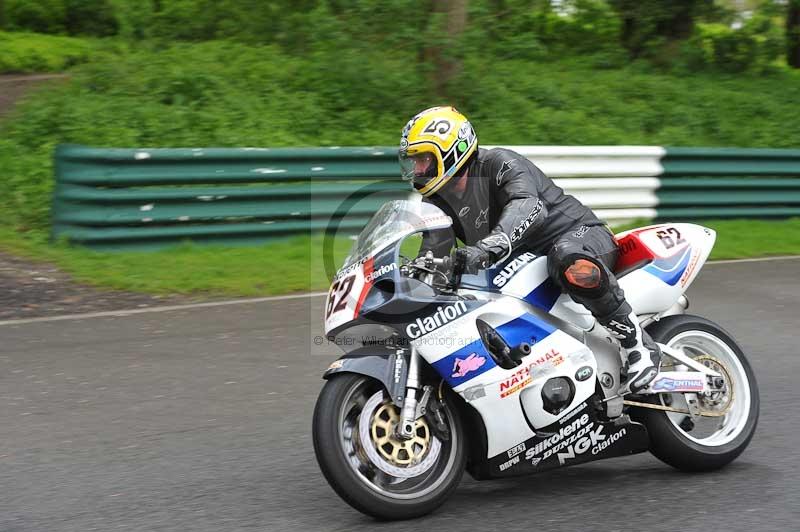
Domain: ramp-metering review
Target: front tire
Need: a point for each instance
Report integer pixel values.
(729, 434)
(370, 469)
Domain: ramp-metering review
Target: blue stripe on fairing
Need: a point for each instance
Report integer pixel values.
(526, 328)
(670, 269)
(446, 366)
(544, 296)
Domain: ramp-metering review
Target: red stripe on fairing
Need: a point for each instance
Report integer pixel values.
(632, 251)
(369, 267)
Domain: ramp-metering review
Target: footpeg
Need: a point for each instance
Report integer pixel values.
(622, 420)
(614, 406)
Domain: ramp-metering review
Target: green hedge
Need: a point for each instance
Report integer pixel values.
(756, 46)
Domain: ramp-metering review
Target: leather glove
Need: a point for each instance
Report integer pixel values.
(472, 258)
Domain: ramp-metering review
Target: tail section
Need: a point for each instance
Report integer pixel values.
(658, 263)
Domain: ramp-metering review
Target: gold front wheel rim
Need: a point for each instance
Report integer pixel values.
(398, 452)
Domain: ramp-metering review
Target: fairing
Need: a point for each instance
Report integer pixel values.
(669, 257)
(374, 257)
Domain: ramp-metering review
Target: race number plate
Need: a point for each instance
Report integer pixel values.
(346, 295)
(664, 240)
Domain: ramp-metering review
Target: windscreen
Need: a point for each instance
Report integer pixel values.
(394, 221)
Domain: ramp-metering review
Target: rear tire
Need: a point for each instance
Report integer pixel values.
(351, 470)
(668, 440)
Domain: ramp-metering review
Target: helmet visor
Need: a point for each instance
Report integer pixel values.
(419, 168)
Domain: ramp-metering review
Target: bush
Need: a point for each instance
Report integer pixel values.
(27, 52)
(518, 30)
(755, 46)
(721, 47)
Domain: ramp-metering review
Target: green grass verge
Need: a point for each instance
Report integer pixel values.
(737, 239)
(297, 264)
(283, 267)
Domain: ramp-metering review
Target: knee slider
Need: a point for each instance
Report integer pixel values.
(585, 275)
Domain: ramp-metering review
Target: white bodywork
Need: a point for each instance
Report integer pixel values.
(510, 401)
(522, 305)
(647, 297)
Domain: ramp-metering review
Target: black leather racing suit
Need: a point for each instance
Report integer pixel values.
(507, 194)
(508, 204)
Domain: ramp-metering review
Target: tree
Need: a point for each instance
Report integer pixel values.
(793, 34)
(90, 17)
(653, 22)
(450, 21)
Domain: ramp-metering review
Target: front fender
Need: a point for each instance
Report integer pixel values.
(389, 368)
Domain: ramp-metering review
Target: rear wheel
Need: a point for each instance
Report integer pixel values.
(716, 438)
(368, 466)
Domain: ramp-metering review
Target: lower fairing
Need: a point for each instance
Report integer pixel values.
(577, 438)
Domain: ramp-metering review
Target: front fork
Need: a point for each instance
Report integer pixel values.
(412, 408)
(408, 413)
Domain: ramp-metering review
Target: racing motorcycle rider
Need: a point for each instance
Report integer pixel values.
(500, 202)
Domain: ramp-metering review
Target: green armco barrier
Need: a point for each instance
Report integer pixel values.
(719, 183)
(730, 162)
(680, 213)
(729, 183)
(184, 166)
(148, 198)
(734, 192)
(251, 232)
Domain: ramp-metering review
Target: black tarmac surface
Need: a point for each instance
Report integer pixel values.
(199, 420)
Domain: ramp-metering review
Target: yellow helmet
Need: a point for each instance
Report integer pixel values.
(435, 146)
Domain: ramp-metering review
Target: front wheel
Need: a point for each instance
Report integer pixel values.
(730, 415)
(368, 466)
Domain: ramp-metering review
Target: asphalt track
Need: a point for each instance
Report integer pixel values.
(199, 419)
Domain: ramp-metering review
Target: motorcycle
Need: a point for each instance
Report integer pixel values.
(501, 374)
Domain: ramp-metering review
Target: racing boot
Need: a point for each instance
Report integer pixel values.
(642, 365)
(642, 355)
